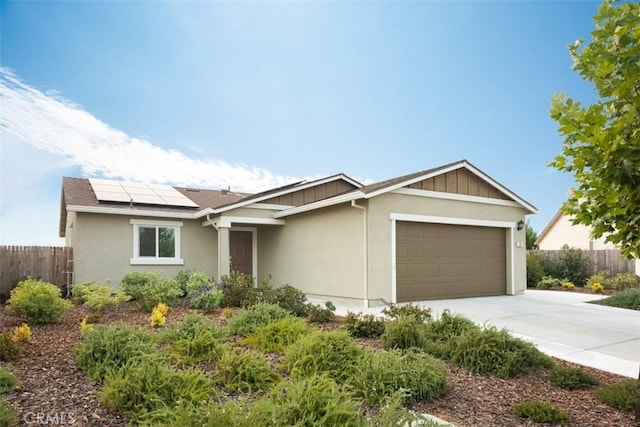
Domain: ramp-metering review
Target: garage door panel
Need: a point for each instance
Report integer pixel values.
(448, 261)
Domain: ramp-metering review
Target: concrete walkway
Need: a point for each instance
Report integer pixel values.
(561, 324)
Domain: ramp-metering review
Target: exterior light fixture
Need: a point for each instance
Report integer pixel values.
(520, 225)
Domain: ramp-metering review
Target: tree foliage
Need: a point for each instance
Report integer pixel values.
(530, 236)
(602, 141)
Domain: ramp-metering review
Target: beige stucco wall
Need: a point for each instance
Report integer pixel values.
(103, 247)
(320, 252)
(564, 232)
(380, 235)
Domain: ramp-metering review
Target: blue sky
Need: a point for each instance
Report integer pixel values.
(257, 94)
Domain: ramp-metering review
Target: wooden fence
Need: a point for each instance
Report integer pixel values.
(602, 259)
(53, 264)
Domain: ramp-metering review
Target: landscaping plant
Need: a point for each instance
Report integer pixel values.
(572, 378)
(21, 334)
(315, 313)
(8, 381)
(8, 415)
(150, 289)
(629, 298)
(395, 311)
(248, 320)
(277, 336)
(540, 412)
(97, 297)
(403, 333)
(363, 325)
(38, 302)
(244, 371)
(9, 349)
(621, 395)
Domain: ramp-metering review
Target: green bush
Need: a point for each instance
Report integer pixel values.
(207, 298)
(404, 333)
(150, 289)
(395, 312)
(393, 412)
(572, 378)
(601, 277)
(193, 339)
(315, 313)
(629, 298)
(189, 280)
(147, 383)
(548, 282)
(573, 265)
(313, 401)
(38, 302)
(381, 374)
(277, 336)
(621, 395)
(497, 353)
(535, 268)
(245, 371)
(248, 320)
(108, 347)
(332, 353)
(540, 412)
(440, 333)
(289, 298)
(185, 414)
(239, 290)
(8, 415)
(200, 290)
(8, 381)
(363, 325)
(97, 297)
(622, 281)
(9, 349)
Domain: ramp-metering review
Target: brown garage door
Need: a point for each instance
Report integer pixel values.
(449, 261)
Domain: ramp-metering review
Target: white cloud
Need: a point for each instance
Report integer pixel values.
(52, 123)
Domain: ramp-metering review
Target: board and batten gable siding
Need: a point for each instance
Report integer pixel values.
(460, 181)
(380, 242)
(312, 194)
(320, 252)
(103, 248)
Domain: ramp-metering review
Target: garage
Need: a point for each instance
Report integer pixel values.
(435, 261)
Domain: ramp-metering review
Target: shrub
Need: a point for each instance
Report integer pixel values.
(495, 352)
(277, 336)
(317, 314)
(404, 333)
(440, 333)
(248, 320)
(621, 395)
(573, 264)
(200, 290)
(535, 268)
(597, 288)
(147, 383)
(109, 347)
(150, 289)
(21, 334)
(97, 297)
(397, 311)
(540, 412)
(572, 378)
(287, 297)
(9, 349)
(193, 339)
(157, 318)
(185, 414)
(244, 371)
(568, 285)
(190, 280)
(8, 381)
(8, 415)
(629, 298)
(238, 290)
(38, 302)
(332, 353)
(313, 401)
(622, 281)
(393, 412)
(381, 374)
(85, 326)
(207, 298)
(363, 325)
(548, 282)
(601, 277)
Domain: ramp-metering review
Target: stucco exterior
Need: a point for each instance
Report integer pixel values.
(561, 231)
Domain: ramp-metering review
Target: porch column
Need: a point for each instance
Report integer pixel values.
(224, 253)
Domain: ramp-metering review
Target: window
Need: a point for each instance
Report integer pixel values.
(156, 242)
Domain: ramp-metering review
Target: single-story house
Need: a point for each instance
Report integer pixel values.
(450, 231)
(562, 231)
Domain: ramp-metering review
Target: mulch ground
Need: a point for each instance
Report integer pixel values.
(54, 391)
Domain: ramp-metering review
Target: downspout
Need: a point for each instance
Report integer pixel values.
(214, 225)
(365, 230)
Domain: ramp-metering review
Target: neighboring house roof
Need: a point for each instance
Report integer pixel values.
(549, 226)
(78, 195)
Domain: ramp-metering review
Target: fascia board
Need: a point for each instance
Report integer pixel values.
(321, 204)
(137, 212)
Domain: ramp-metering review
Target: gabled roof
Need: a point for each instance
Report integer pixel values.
(549, 226)
(373, 190)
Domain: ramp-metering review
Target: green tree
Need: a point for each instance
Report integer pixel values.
(602, 141)
(530, 237)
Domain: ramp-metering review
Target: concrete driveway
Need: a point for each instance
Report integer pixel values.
(561, 324)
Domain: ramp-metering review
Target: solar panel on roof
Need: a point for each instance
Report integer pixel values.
(149, 194)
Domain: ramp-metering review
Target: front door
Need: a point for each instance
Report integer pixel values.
(241, 251)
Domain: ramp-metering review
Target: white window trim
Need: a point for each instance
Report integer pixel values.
(138, 260)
